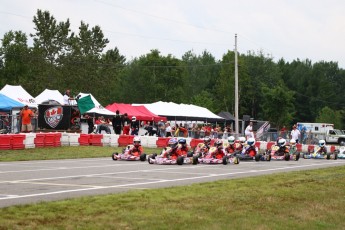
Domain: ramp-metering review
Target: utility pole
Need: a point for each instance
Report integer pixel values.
(236, 91)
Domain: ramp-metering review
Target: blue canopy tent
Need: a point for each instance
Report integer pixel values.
(6, 103)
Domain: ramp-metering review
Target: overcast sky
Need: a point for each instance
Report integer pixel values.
(289, 29)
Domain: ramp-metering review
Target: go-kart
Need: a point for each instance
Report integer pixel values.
(278, 153)
(169, 160)
(128, 155)
(208, 157)
(319, 154)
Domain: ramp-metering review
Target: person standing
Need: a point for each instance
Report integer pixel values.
(249, 131)
(26, 114)
(117, 123)
(134, 126)
(34, 120)
(67, 98)
(295, 133)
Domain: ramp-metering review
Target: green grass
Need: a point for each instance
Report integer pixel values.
(64, 152)
(296, 200)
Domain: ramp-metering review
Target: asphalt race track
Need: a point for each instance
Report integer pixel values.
(47, 180)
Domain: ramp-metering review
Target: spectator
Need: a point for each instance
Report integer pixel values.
(249, 131)
(283, 132)
(26, 114)
(117, 123)
(126, 124)
(34, 120)
(161, 129)
(90, 124)
(295, 133)
(168, 130)
(67, 98)
(19, 121)
(134, 126)
(102, 124)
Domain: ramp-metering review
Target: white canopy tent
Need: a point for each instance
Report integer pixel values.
(18, 93)
(49, 94)
(99, 109)
(180, 112)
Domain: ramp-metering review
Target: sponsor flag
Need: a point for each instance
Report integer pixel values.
(85, 104)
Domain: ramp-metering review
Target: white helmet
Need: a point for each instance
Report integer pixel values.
(292, 142)
(251, 141)
(136, 140)
(282, 142)
(134, 118)
(322, 143)
(242, 140)
(231, 140)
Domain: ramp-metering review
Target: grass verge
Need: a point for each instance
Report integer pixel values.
(296, 200)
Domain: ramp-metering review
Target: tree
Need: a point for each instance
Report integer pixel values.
(327, 115)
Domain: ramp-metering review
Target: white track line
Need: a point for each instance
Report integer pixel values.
(160, 181)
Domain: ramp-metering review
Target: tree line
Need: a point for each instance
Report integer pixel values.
(281, 92)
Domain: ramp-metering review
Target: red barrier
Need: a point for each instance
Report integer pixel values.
(49, 140)
(310, 148)
(257, 144)
(5, 141)
(162, 142)
(299, 147)
(195, 142)
(84, 139)
(39, 140)
(57, 142)
(96, 139)
(269, 145)
(125, 140)
(18, 141)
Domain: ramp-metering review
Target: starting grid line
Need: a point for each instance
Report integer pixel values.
(131, 185)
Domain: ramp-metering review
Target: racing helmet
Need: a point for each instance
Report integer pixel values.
(207, 140)
(136, 141)
(182, 141)
(231, 140)
(251, 141)
(292, 142)
(281, 142)
(173, 143)
(322, 143)
(219, 143)
(242, 140)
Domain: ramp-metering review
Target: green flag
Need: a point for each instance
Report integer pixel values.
(85, 104)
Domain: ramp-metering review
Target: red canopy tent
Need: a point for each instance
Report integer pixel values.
(140, 112)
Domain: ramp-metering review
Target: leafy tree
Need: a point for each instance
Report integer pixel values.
(204, 99)
(327, 115)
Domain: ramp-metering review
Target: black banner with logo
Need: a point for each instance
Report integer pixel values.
(58, 117)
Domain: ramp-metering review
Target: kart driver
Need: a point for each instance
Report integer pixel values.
(322, 147)
(136, 149)
(182, 148)
(172, 152)
(219, 152)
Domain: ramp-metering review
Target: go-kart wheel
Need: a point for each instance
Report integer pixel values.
(195, 160)
(143, 157)
(225, 160)
(190, 154)
(328, 156)
(257, 157)
(114, 156)
(297, 156)
(268, 157)
(153, 156)
(179, 160)
(335, 155)
(149, 159)
(287, 156)
(236, 160)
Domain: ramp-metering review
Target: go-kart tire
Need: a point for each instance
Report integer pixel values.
(236, 160)
(298, 155)
(225, 160)
(190, 154)
(287, 156)
(179, 160)
(153, 156)
(268, 157)
(328, 156)
(143, 157)
(257, 157)
(335, 156)
(149, 159)
(113, 156)
(195, 160)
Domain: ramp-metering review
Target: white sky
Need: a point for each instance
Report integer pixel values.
(291, 29)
